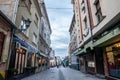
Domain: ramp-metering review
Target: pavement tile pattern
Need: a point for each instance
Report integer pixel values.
(61, 73)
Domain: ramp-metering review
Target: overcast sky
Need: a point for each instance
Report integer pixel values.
(60, 14)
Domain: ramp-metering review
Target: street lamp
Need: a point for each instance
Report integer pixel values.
(25, 24)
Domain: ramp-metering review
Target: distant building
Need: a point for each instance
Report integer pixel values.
(52, 58)
(73, 45)
(57, 60)
(44, 33)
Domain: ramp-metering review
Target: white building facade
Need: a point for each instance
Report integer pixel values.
(99, 23)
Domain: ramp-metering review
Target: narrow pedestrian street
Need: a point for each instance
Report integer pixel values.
(61, 73)
(59, 39)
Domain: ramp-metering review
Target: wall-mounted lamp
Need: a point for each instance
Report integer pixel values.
(25, 24)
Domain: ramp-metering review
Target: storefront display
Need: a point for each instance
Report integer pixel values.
(113, 58)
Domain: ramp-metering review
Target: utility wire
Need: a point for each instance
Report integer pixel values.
(58, 8)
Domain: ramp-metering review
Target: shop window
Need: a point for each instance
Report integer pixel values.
(30, 60)
(20, 60)
(2, 37)
(113, 58)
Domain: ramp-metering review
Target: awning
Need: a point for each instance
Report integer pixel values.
(80, 52)
(25, 44)
(44, 55)
(19, 40)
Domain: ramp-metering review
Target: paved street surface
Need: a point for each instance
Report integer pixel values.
(61, 74)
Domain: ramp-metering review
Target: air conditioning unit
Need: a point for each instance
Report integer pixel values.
(17, 45)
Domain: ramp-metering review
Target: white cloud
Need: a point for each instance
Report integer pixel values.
(60, 22)
(59, 45)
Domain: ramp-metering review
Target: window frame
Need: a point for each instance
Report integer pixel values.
(36, 19)
(98, 13)
(34, 38)
(2, 45)
(28, 4)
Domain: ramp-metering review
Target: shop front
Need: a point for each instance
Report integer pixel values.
(81, 55)
(22, 58)
(90, 63)
(3, 53)
(113, 60)
(6, 27)
(18, 57)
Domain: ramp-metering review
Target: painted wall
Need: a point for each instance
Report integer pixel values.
(109, 8)
(9, 8)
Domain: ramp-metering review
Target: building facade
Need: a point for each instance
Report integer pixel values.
(52, 59)
(6, 28)
(44, 33)
(99, 24)
(25, 52)
(73, 46)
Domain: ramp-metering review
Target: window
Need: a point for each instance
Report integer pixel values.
(113, 59)
(28, 4)
(2, 37)
(35, 38)
(36, 19)
(83, 6)
(98, 11)
(85, 24)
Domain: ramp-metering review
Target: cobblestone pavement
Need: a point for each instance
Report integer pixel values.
(50, 74)
(61, 74)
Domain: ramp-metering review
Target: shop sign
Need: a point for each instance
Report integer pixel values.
(91, 64)
(22, 42)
